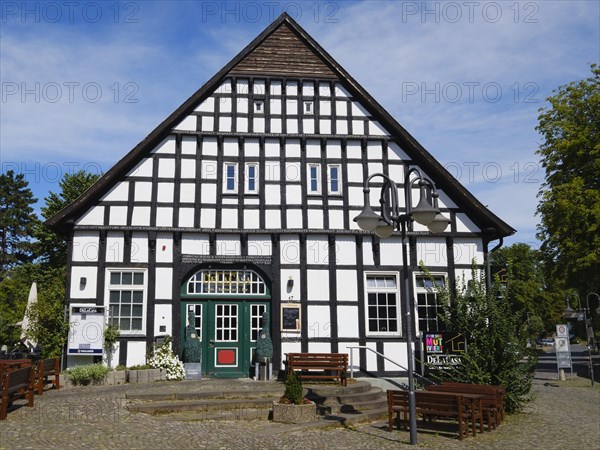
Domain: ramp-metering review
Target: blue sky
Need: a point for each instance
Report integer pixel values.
(83, 82)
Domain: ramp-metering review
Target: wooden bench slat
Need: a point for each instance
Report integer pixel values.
(15, 384)
(326, 362)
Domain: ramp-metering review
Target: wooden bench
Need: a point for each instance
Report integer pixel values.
(8, 365)
(487, 390)
(47, 368)
(16, 384)
(333, 365)
(434, 405)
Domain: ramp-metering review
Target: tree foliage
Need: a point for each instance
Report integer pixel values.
(497, 351)
(16, 221)
(53, 247)
(569, 199)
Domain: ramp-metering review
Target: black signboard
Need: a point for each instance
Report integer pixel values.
(443, 349)
(290, 317)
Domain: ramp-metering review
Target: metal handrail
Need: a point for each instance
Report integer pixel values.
(384, 357)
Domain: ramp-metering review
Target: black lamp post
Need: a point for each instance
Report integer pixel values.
(384, 225)
(587, 320)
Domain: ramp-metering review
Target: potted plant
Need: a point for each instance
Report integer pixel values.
(192, 351)
(293, 407)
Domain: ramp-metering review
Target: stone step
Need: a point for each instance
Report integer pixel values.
(256, 392)
(232, 414)
(372, 394)
(328, 390)
(364, 416)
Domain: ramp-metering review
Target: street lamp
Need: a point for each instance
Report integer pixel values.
(383, 225)
(570, 313)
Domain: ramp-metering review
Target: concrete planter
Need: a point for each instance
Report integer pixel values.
(283, 413)
(115, 377)
(145, 375)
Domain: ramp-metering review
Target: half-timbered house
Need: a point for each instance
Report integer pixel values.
(241, 202)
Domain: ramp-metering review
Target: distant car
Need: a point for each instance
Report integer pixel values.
(545, 342)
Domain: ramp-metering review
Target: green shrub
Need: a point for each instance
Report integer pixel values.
(140, 367)
(293, 389)
(84, 375)
(121, 367)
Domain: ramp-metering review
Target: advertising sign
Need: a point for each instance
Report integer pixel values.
(444, 349)
(86, 330)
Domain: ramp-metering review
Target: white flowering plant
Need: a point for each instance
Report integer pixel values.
(164, 358)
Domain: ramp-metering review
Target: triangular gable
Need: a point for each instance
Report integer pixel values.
(285, 49)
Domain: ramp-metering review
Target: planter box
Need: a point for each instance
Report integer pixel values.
(115, 377)
(283, 413)
(145, 375)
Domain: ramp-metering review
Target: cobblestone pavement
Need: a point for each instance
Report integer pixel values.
(564, 415)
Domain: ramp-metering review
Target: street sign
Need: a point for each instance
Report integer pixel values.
(562, 331)
(563, 360)
(562, 345)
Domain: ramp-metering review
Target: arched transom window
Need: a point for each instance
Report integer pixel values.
(226, 282)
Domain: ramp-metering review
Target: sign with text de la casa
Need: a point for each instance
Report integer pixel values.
(443, 349)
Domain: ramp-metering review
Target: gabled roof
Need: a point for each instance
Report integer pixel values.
(285, 49)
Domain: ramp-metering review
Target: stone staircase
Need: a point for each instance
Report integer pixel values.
(357, 402)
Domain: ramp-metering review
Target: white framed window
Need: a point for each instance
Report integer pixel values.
(251, 178)
(126, 298)
(230, 180)
(383, 303)
(427, 304)
(314, 178)
(334, 179)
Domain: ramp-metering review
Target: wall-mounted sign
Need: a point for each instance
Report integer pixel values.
(86, 330)
(290, 317)
(443, 349)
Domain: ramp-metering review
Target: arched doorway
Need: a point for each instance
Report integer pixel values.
(227, 306)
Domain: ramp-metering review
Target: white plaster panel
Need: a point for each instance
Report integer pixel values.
(242, 86)
(292, 171)
(398, 352)
(225, 124)
(355, 173)
(187, 192)
(341, 108)
(208, 105)
(371, 357)
(143, 191)
(228, 245)
(292, 126)
(258, 125)
(251, 148)
(347, 321)
(290, 250)
(195, 244)
(344, 347)
(164, 283)
(465, 250)
(209, 146)
(287, 293)
(207, 123)
(445, 201)
(166, 168)
(272, 148)
(86, 246)
(354, 150)
(242, 108)
(188, 169)
(294, 218)
(345, 250)
(340, 91)
(358, 127)
(432, 251)
(288, 347)
(293, 194)
(324, 90)
(224, 88)
(164, 217)
(374, 150)
(186, 217)
(165, 192)
(334, 149)
(164, 247)
(259, 87)
(358, 110)
(308, 126)
(139, 247)
(272, 195)
(94, 216)
(251, 219)
(324, 331)
(167, 146)
(391, 251)
(313, 148)
(229, 218)
(356, 197)
(325, 126)
(376, 129)
(208, 193)
(187, 124)
(78, 290)
(118, 193)
(163, 316)
(308, 89)
(316, 280)
(292, 148)
(142, 169)
(209, 170)
(231, 147)
(136, 353)
(347, 285)
(341, 126)
(463, 223)
(272, 219)
(317, 250)
(336, 219)
(260, 245)
(276, 126)
(291, 88)
(207, 218)
(275, 106)
(396, 172)
(117, 215)
(396, 153)
(225, 105)
(319, 322)
(368, 251)
(325, 108)
(115, 245)
(275, 87)
(375, 167)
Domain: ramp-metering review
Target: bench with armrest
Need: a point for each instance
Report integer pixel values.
(435, 405)
(484, 389)
(333, 365)
(16, 384)
(47, 368)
